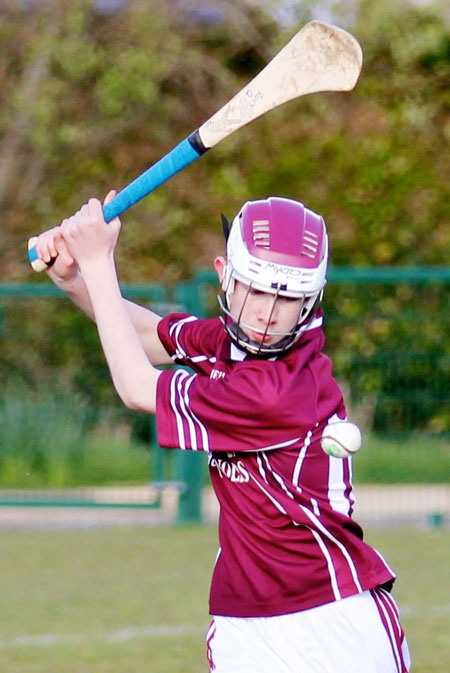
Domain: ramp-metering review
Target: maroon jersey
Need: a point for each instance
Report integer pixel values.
(287, 538)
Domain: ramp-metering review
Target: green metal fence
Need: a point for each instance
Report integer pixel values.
(388, 332)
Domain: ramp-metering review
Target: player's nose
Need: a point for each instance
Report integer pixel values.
(267, 310)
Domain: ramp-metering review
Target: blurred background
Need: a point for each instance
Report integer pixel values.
(92, 92)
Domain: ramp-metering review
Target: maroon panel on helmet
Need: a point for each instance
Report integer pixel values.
(283, 231)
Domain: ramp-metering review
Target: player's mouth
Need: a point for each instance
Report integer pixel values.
(261, 338)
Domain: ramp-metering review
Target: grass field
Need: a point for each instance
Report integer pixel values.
(135, 600)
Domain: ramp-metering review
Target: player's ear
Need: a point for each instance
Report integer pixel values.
(220, 264)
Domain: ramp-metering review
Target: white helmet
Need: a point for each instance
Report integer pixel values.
(278, 246)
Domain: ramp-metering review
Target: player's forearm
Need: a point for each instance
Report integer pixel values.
(146, 322)
(134, 377)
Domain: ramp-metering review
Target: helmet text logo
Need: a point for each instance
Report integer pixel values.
(280, 270)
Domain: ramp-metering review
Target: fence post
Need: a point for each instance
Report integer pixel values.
(190, 464)
(190, 473)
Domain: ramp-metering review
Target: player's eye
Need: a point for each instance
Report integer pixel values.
(289, 300)
(256, 293)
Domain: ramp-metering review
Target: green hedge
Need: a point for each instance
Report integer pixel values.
(48, 440)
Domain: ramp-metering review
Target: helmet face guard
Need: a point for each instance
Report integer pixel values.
(279, 247)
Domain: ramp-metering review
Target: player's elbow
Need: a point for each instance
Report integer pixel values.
(138, 402)
(138, 393)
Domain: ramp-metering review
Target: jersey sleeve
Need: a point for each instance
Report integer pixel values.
(243, 411)
(189, 340)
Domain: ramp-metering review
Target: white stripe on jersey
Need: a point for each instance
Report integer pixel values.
(318, 524)
(203, 358)
(203, 430)
(180, 403)
(261, 468)
(298, 464)
(183, 321)
(330, 566)
(277, 477)
(337, 486)
(179, 374)
(289, 442)
(180, 353)
(279, 507)
(319, 528)
(185, 412)
(316, 507)
(175, 330)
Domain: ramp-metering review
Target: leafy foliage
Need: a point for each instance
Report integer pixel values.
(91, 99)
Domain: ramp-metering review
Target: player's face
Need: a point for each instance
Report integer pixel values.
(262, 316)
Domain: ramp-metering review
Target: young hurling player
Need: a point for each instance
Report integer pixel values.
(295, 587)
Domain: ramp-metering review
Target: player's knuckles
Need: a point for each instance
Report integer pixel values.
(70, 232)
(94, 205)
(65, 225)
(58, 237)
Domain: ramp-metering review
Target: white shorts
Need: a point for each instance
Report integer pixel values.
(359, 634)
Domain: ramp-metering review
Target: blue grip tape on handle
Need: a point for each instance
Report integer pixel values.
(174, 161)
(182, 155)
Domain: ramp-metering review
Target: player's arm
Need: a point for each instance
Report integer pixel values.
(91, 242)
(66, 275)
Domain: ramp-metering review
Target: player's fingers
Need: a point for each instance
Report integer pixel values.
(50, 244)
(109, 197)
(45, 245)
(92, 213)
(67, 226)
(77, 220)
(96, 212)
(82, 215)
(64, 226)
(61, 248)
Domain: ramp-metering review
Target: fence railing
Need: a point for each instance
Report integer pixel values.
(388, 332)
